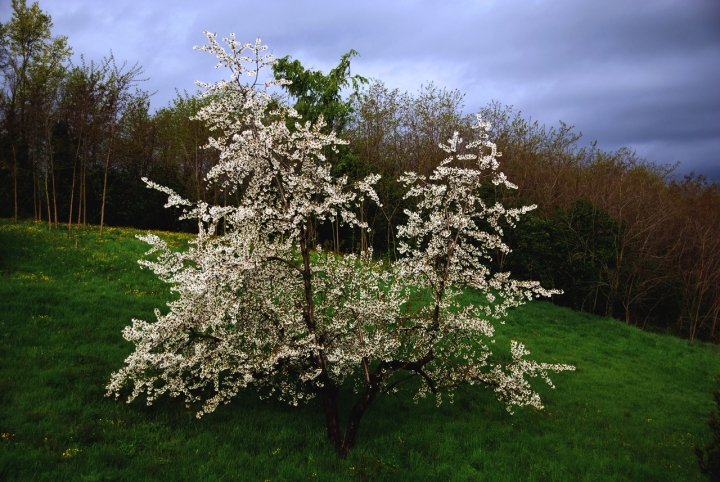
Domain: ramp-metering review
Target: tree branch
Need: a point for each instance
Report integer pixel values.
(276, 258)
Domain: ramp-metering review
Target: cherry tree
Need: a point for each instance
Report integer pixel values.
(259, 306)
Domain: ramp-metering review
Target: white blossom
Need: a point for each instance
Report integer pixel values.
(255, 307)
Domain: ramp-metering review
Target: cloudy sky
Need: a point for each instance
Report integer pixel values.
(636, 73)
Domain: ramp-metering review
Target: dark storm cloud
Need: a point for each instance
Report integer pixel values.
(626, 73)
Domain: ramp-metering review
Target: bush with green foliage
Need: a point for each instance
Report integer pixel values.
(573, 250)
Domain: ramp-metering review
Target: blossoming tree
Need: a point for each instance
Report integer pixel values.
(259, 306)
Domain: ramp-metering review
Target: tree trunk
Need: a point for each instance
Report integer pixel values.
(36, 212)
(52, 178)
(81, 194)
(328, 392)
(107, 164)
(47, 197)
(72, 188)
(356, 414)
(84, 196)
(332, 417)
(374, 382)
(15, 181)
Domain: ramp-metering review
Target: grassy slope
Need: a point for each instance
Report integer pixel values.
(632, 410)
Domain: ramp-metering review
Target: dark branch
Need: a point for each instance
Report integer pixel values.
(276, 258)
(195, 334)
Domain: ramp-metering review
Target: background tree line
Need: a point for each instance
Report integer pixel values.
(76, 139)
(622, 236)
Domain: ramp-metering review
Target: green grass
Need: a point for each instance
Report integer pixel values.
(632, 411)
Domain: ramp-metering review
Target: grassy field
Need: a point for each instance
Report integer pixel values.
(632, 411)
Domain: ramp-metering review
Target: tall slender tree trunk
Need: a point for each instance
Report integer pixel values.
(79, 199)
(36, 212)
(715, 319)
(81, 194)
(107, 164)
(84, 196)
(52, 178)
(47, 196)
(72, 187)
(15, 194)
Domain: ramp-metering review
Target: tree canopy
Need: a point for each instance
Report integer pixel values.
(258, 308)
